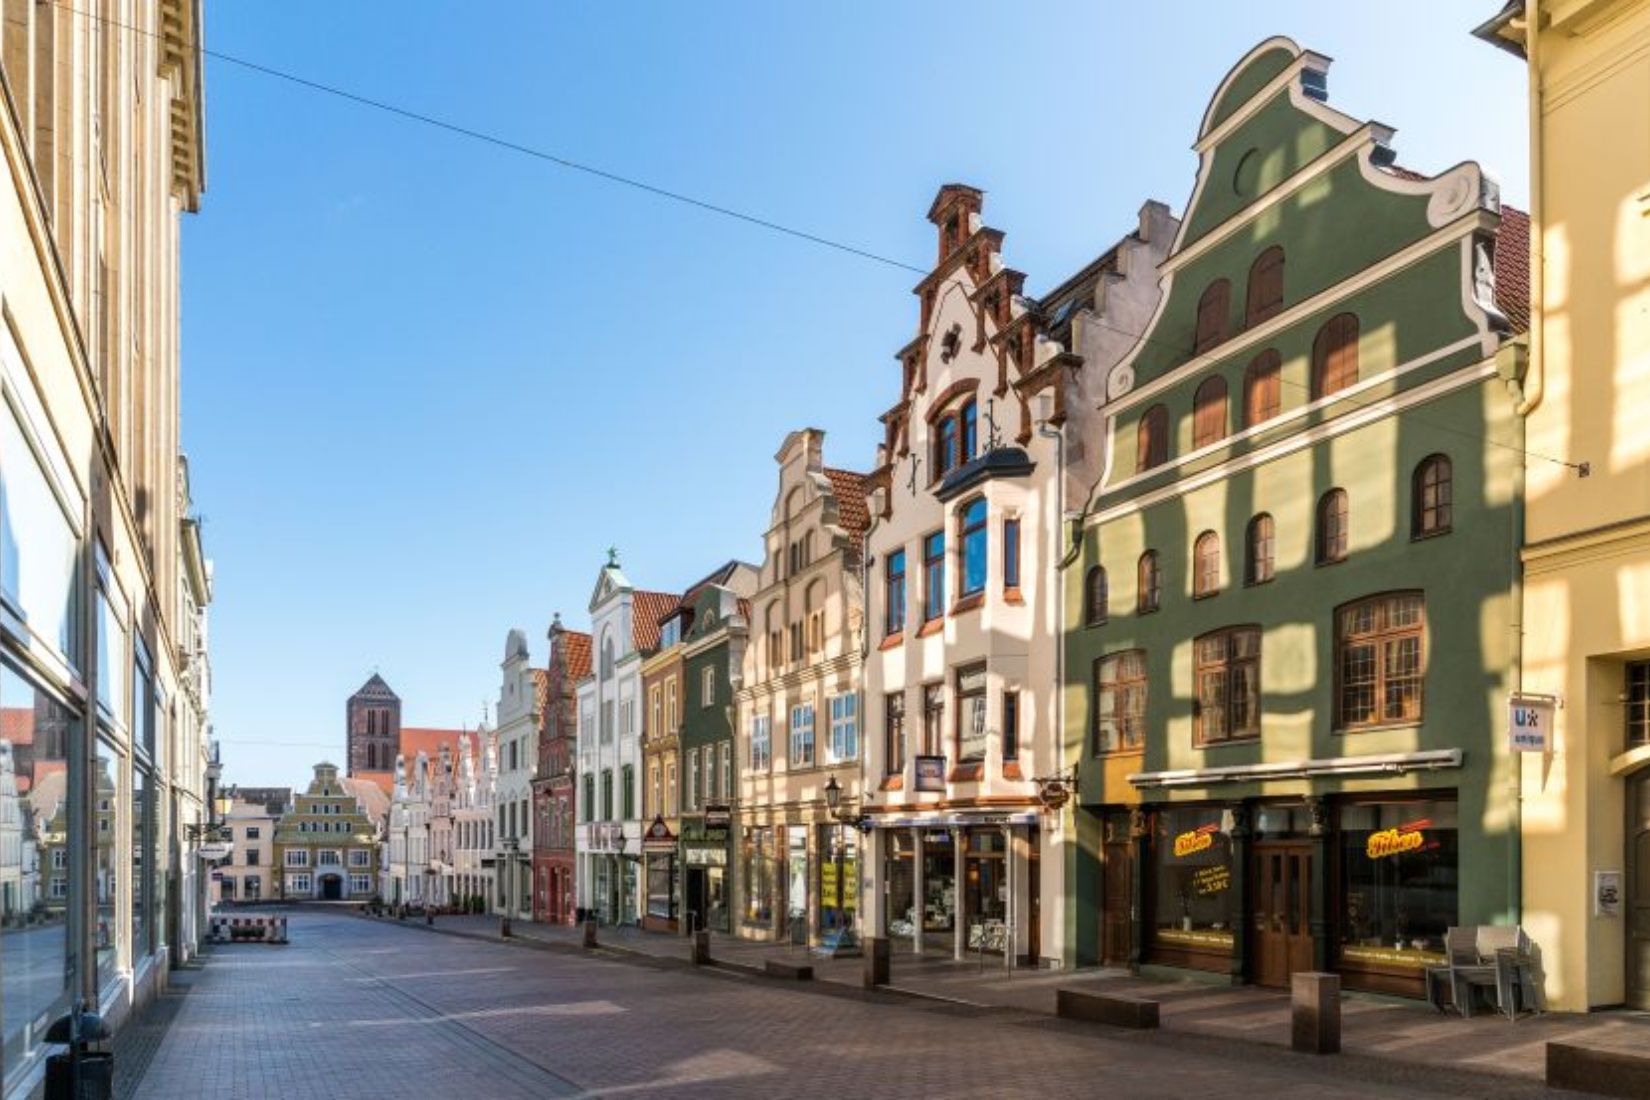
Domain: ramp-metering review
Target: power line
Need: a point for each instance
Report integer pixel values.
(518, 147)
(702, 204)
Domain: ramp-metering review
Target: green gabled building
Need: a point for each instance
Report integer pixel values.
(1291, 627)
(715, 632)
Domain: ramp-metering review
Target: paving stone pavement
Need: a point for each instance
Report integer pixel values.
(355, 1006)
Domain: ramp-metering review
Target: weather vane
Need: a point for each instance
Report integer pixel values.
(992, 439)
(916, 462)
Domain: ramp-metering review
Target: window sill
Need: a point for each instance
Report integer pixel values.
(1380, 727)
(1422, 536)
(1012, 595)
(892, 783)
(1148, 610)
(1090, 624)
(1011, 770)
(932, 626)
(1230, 742)
(1104, 754)
(966, 773)
(1205, 595)
(893, 641)
(968, 603)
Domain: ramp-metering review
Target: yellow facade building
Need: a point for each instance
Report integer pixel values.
(1585, 804)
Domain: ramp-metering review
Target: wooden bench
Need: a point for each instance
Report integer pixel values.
(784, 968)
(1116, 1009)
(1606, 1072)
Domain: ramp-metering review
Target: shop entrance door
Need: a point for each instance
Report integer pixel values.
(1116, 926)
(1638, 887)
(1282, 883)
(698, 899)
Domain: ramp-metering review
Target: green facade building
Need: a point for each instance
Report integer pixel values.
(1291, 629)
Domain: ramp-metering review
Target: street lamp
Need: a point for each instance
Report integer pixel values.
(511, 845)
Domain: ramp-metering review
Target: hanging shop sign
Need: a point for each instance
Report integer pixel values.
(1397, 841)
(930, 773)
(1530, 723)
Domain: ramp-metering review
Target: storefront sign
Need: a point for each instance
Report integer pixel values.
(827, 882)
(706, 857)
(1392, 842)
(718, 817)
(1606, 893)
(1200, 839)
(1530, 723)
(930, 772)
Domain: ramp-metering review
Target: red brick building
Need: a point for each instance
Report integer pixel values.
(554, 890)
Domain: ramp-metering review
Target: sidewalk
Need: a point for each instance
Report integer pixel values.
(1386, 1029)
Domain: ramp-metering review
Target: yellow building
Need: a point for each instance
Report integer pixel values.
(1586, 633)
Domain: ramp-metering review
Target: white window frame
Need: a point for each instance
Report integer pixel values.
(761, 743)
(802, 736)
(707, 686)
(844, 726)
(297, 857)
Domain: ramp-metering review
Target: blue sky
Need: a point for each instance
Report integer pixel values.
(427, 382)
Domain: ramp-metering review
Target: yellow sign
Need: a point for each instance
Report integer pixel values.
(827, 884)
(1196, 841)
(1392, 842)
(1216, 879)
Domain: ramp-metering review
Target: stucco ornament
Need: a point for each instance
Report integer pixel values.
(1483, 276)
(1457, 192)
(1120, 381)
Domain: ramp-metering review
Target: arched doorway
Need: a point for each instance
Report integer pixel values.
(332, 888)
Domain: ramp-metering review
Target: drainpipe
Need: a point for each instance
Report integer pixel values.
(1059, 519)
(1536, 375)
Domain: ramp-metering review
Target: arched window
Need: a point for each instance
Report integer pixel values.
(1335, 356)
(1261, 552)
(1096, 597)
(1149, 590)
(972, 540)
(1152, 438)
(1209, 412)
(1433, 497)
(1206, 565)
(1265, 287)
(1262, 388)
(1333, 522)
(1212, 311)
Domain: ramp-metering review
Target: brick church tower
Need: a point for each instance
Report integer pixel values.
(374, 727)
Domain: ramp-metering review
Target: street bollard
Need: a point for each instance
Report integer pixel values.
(877, 959)
(589, 928)
(1316, 1016)
(701, 949)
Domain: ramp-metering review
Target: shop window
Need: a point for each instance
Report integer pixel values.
(1149, 586)
(1227, 671)
(1433, 497)
(1380, 661)
(971, 700)
(760, 864)
(1120, 702)
(1096, 597)
(1334, 521)
(1262, 388)
(1335, 356)
(1209, 412)
(1399, 870)
(1206, 565)
(1260, 550)
(1152, 438)
(1265, 298)
(1212, 311)
(1191, 881)
(1637, 700)
(973, 539)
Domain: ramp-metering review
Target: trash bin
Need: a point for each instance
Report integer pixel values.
(94, 1069)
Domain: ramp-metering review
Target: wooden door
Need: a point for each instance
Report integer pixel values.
(1116, 928)
(1638, 891)
(1281, 940)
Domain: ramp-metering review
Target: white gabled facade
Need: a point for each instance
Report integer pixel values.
(624, 629)
(519, 717)
(474, 835)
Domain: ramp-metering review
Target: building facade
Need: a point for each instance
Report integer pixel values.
(800, 703)
(554, 787)
(522, 695)
(1292, 620)
(372, 724)
(624, 629)
(326, 847)
(661, 768)
(1585, 806)
(102, 135)
(475, 837)
(250, 874)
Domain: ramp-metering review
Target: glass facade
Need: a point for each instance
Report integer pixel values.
(758, 864)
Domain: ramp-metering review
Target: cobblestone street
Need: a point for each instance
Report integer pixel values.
(353, 1007)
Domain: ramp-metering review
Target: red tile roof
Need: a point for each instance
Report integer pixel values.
(1512, 267)
(576, 650)
(646, 611)
(541, 688)
(416, 739)
(850, 490)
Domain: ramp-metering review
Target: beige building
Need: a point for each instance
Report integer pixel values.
(104, 587)
(800, 705)
(1585, 804)
(249, 875)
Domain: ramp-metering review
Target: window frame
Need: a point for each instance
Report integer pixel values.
(1263, 388)
(1206, 566)
(1214, 310)
(894, 593)
(1152, 438)
(1428, 519)
(971, 699)
(895, 746)
(1096, 596)
(1378, 639)
(973, 538)
(802, 736)
(1228, 667)
(1131, 689)
(1148, 584)
(1263, 298)
(1011, 554)
(1209, 412)
(1332, 532)
(933, 576)
(1335, 356)
(1254, 540)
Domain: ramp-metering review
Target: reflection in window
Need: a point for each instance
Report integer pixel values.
(973, 548)
(1192, 866)
(107, 870)
(1120, 702)
(38, 547)
(1399, 869)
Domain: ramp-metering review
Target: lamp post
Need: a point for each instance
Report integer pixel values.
(511, 844)
(833, 800)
